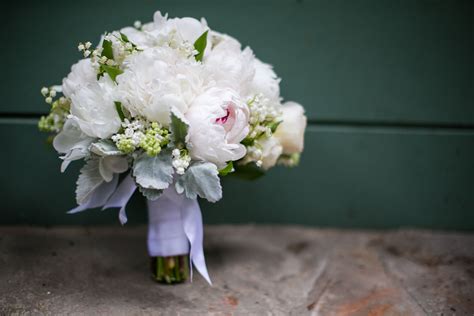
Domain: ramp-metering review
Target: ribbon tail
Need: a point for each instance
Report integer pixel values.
(99, 196)
(121, 197)
(193, 228)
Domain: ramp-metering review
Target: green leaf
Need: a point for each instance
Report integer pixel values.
(200, 45)
(273, 126)
(118, 107)
(107, 50)
(113, 72)
(153, 172)
(89, 180)
(124, 38)
(179, 129)
(201, 178)
(105, 147)
(248, 171)
(227, 169)
(248, 142)
(150, 194)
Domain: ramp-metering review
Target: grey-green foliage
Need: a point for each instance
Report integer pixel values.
(201, 179)
(89, 180)
(150, 194)
(105, 147)
(153, 172)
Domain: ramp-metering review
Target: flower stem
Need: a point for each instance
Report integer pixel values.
(170, 270)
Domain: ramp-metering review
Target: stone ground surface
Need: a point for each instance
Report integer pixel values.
(257, 270)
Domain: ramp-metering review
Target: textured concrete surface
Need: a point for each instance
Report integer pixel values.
(256, 270)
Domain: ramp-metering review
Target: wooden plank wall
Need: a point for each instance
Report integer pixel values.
(388, 87)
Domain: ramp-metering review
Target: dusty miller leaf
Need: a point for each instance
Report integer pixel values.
(105, 147)
(153, 172)
(89, 180)
(150, 194)
(201, 179)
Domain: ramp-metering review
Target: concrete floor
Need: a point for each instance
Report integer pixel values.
(256, 270)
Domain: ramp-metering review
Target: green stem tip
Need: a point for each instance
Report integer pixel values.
(170, 270)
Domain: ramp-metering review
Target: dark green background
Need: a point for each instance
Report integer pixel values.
(388, 87)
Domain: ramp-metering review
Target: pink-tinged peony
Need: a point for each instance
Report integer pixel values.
(218, 121)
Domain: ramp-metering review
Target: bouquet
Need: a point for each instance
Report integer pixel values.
(169, 108)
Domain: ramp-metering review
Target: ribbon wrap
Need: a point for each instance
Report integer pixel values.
(174, 221)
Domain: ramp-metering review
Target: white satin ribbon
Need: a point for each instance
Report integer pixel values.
(174, 222)
(175, 228)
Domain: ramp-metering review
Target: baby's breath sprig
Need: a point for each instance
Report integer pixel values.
(264, 119)
(181, 160)
(138, 25)
(54, 121)
(141, 134)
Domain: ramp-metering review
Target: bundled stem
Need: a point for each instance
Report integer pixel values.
(170, 270)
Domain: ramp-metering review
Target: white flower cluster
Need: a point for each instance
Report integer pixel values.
(174, 84)
(181, 160)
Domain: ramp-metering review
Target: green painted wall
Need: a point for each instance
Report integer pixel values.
(388, 87)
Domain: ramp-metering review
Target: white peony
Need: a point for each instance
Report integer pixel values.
(156, 80)
(93, 108)
(290, 133)
(82, 73)
(229, 66)
(173, 32)
(218, 121)
(265, 81)
(271, 151)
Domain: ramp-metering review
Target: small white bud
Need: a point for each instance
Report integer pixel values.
(110, 62)
(87, 53)
(88, 45)
(49, 100)
(175, 152)
(137, 24)
(80, 47)
(52, 93)
(259, 163)
(44, 91)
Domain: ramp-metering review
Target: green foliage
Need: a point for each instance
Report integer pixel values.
(112, 71)
(118, 107)
(107, 50)
(200, 45)
(179, 130)
(227, 169)
(248, 171)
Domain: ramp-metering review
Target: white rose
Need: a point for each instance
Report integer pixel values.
(229, 66)
(290, 132)
(218, 123)
(93, 109)
(265, 81)
(271, 150)
(82, 73)
(156, 80)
